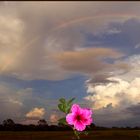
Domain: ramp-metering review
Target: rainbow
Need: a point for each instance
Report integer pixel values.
(64, 25)
(82, 19)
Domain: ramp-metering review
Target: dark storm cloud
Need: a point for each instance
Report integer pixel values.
(134, 110)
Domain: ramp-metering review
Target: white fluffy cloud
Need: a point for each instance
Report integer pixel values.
(120, 90)
(118, 93)
(134, 62)
(36, 113)
(110, 97)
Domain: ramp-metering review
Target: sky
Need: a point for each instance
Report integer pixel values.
(87, 50)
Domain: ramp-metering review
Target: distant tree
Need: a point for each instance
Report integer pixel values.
(8, 122)
(42, 122)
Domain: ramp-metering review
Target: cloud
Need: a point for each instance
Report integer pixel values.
(34, 61)
(12, 95)
(134, 61)
(33, 33)
(17, 99)
(104, 89)
(36, 32)
(137, 46)
(125, 36)
(111, 93)
(134, 109)
(111, 116)
(91, 61)
(12, 100)
(54, 118)
(115, 100)
(36, 113)
(10, 40)
(113, 31)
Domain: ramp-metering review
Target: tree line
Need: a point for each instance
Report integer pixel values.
(42, 125)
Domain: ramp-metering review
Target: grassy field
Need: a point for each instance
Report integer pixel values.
(93, 135)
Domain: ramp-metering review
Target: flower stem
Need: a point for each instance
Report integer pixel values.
(76, 134)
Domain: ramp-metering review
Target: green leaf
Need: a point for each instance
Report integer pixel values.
(68, 108)
(62, 100)
(65, 109)
(60, 106)
(71, 100)
(62, 121)
(64, 105)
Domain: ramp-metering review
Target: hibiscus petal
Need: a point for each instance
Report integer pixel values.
(87, 121)
(87, 112)
(75, 108)
(70, 118)
(79, 126)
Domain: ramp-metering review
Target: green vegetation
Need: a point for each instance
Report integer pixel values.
(68, 135)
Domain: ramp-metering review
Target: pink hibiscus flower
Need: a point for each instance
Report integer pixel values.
(79, 117)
